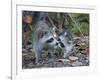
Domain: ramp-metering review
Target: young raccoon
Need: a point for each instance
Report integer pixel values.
(44, 37)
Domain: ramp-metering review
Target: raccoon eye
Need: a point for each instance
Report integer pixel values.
(50, 40)
(45, 33)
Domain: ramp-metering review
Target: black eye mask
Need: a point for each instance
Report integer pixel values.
(60, 42)
(59, 39)
(62, 45)
(50, 40)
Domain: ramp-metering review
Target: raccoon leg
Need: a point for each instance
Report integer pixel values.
(66, 50)
(37, 55)
(50, 56)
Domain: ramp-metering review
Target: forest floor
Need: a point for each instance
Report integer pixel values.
(79, 56)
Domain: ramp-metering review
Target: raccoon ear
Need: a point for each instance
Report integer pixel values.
(65, 34)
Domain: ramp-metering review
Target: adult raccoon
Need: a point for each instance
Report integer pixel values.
(42, 37)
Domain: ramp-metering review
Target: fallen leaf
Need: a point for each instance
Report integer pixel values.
(73, 58)
(65, 61)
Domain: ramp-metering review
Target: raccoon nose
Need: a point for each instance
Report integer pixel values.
(56, 43)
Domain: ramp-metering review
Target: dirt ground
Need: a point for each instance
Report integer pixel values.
(79, 56)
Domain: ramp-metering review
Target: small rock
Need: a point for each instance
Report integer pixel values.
(83, 44)
(73, 58)
(24, 54)
(77, 63)
(65, 61)
(24, 50)
(84, 52)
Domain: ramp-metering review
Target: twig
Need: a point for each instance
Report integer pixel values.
(51, 21)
